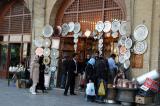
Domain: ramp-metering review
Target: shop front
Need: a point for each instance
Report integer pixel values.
(15, 36)
(84, 16)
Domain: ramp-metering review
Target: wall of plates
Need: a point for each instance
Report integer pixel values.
(116, 29)
(136, 45)
(45, 46)
(126, 44)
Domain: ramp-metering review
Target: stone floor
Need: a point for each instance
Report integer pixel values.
(12, 96)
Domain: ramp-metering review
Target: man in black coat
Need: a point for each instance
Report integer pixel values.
(72, 72)
(65, 62)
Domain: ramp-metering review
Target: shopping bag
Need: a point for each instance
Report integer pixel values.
(47, 80)
(90, 90)
(101, 90)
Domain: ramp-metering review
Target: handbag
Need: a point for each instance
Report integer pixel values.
(90, 90)
(101, 90)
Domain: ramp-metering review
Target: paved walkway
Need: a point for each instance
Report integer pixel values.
(12, 96)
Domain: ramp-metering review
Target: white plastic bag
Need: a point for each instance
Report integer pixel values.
(47, 80)
(90, 90)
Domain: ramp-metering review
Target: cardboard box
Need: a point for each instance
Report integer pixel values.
(143, 99)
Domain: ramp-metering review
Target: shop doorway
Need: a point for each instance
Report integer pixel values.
(88, 13)
(14, 54)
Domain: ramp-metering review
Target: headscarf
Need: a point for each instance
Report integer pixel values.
(91, 61)
(36, 58)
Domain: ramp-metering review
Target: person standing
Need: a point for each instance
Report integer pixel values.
(90, 71)
(72, 72)
(101, 73)
(40, 85)
(112, 68)
(34, 74)
(65, 62)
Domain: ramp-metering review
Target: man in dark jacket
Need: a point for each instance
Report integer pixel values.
(101, 72)
(72, 72)
(65, 62)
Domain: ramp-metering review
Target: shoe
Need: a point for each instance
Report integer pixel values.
(30, 90)
(34, 93)
(65, 94)
(73, 94)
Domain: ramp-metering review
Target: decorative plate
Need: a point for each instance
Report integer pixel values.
(100, 45)
(140, 47)
(54, 62)
(54, 53)
(100, 41)
(99, 49)
(46, 42)
(127, 54)
(77, 27)
(124, 28)
(126, 64)
(123, 40)
(53, 69)
(100, 52)
(75, 40)
(140, 32)
(71, 26)
(121, 58)
(107, 26)
(47, 31)
(87, 33)
(39, 51)
(100, 35)
(99, 26)
(57, 30)
(75, 35)
(65, 29)
(46, 60)
(128, 43)
(115, 34)
(38, 42)
(115, 25)
(122, 50)
(46, 52)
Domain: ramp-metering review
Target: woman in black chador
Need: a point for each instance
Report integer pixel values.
(41, 74)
